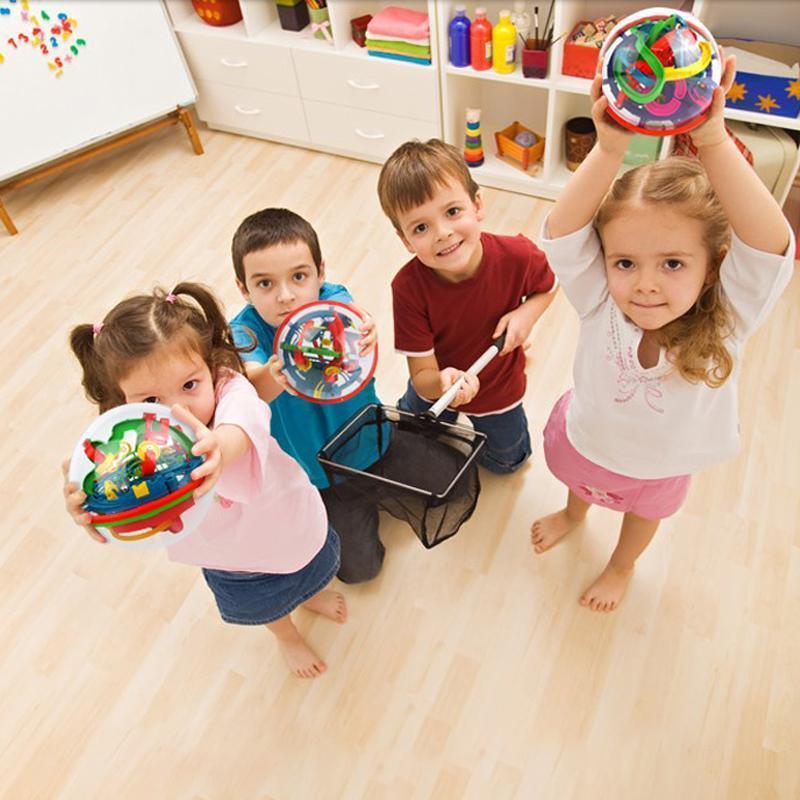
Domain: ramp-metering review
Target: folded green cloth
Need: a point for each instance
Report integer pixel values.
(416, 50)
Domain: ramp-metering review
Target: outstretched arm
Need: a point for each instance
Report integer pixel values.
(754, 214)
(580, 199)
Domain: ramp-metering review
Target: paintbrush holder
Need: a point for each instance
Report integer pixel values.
(534, 62)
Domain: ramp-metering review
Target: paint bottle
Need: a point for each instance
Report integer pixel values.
(521, 19)
(480, 41)
(459, 38)
(504, 41)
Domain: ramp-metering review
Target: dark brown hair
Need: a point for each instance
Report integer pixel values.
(695, 341)
(189, 318)
(415, 170)
(268, 228)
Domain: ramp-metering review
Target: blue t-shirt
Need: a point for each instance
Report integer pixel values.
(302, 427)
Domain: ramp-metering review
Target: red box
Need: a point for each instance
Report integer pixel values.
(358, 26)
(580, 60)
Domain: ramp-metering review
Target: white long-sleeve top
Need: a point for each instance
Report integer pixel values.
(652, 423)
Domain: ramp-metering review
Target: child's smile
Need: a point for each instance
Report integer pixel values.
(656, 263)
(444, 233)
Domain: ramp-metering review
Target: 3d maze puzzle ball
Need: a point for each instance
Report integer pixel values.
(134, 463)
(660, 68)
(319, 346)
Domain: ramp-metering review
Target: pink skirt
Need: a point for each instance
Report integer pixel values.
(646, 497)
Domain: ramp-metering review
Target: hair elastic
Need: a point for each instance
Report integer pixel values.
(170, 298)
(97, 327)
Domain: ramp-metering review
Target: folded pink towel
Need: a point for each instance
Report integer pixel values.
(400, 22)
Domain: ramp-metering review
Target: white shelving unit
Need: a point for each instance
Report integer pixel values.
(257, 79)
(544, 105)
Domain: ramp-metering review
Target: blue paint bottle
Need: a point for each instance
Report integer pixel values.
(459, 38)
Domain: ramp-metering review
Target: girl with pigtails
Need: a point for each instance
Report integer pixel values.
(671, 267)
(265, 546)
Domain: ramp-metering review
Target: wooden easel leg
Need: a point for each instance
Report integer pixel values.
(7, 221)
(185, 117)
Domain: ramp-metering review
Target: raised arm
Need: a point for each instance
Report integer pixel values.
(754, 214)
(580, 199)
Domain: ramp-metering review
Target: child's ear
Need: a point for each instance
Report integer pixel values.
(480, 210)
(405, 242)
(321, 270)
(243, 289)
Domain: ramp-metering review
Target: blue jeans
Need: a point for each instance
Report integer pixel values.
(508, 443)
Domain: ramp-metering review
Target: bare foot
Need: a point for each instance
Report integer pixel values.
(545, 532)
(302, 660)
(330, 604)
(607, 590)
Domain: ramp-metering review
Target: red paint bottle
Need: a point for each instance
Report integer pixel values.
(480, 40)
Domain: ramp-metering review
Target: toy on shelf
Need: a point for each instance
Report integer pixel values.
(218, 12)
(473, 145)
(358, 28)
(515, 143)
(582, 48)
(660, 68)
(319, 345)
(134, 463)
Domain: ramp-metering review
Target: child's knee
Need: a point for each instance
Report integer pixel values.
(503, 461)
(362, 565)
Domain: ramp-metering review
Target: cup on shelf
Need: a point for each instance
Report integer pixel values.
(320, 23)
(534, 62)
(580, 135)
(292, 16)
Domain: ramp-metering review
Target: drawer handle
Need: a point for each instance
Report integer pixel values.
(248, 111)
(226, 63)
(364, 135)
(357, 85)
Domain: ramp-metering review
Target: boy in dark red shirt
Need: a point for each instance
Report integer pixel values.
(462, 289)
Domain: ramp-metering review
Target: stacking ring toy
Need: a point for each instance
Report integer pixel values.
(134, 463)
(319, 344)
(660, 68)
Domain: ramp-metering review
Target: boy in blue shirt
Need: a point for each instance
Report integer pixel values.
(279, 267)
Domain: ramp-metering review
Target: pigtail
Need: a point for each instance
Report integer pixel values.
(96, 384)
(222, 351)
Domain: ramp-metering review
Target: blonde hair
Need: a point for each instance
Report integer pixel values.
(415, 170)
(695, 341)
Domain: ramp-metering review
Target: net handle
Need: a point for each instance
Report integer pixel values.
(494, 348)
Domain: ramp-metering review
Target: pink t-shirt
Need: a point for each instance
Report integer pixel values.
(266, 515)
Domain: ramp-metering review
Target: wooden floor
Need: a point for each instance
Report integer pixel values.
(468, 671)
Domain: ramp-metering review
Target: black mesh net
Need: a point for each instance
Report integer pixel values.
(421, 470)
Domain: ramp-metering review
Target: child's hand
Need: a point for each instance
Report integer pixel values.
(517, 325)
(73, 500)
(469, 388)
(369, 335)
(206, 444)
(275, 367)
(712, 131)
(612, 138)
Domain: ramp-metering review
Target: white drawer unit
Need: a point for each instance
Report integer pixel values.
(403, 90)
(363, 132)
(237, 62)
(246, 110)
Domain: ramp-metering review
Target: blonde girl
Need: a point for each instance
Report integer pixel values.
(265, 546)
(670, 271)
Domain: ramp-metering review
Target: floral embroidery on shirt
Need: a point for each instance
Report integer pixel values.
(630, 377)
(223, 501)
(600, 496)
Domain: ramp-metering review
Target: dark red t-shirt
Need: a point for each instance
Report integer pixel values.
(455, 321)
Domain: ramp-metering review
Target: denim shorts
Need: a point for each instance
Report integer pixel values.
(256, 598)
(508, 443)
